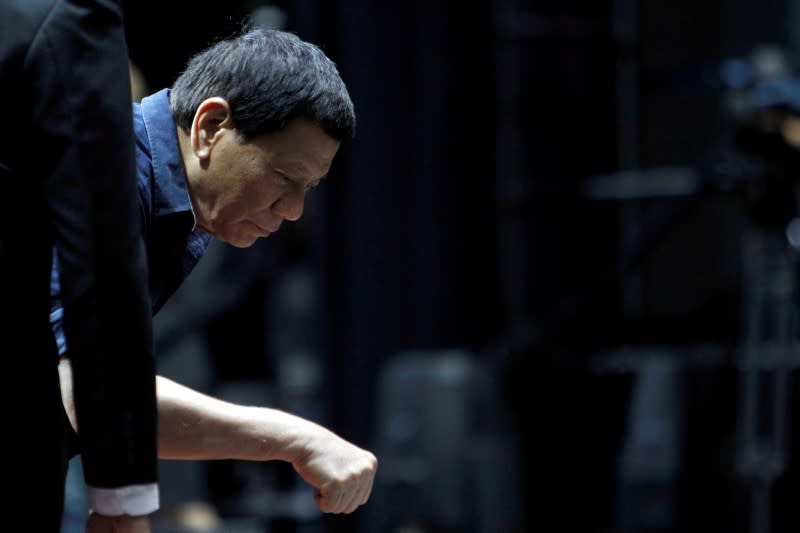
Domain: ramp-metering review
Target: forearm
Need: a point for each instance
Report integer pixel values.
(193, 425)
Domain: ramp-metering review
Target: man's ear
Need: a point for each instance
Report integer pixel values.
(212, 117)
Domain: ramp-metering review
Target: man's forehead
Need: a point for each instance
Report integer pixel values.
(302, 147)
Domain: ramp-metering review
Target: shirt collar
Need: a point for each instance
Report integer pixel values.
(171, 193)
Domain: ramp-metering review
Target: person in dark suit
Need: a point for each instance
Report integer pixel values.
(67, 174)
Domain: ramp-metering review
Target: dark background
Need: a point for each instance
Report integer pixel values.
(454, 301)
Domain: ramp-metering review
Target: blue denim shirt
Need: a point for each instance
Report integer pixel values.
(174, 244)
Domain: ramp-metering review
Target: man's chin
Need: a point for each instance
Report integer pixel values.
(241, 241)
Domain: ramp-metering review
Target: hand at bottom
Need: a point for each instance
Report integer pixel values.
(98, 523)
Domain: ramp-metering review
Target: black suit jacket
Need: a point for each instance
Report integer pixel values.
(67, 177)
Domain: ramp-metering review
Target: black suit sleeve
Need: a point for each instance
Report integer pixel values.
(72, 86)
(106, 309)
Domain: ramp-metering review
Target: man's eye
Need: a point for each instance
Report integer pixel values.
(286, 179)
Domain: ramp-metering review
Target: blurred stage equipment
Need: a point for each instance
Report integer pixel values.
(649, 462)
(758, 161)
(447, 464)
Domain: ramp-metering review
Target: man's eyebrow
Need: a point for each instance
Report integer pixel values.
(292, 168)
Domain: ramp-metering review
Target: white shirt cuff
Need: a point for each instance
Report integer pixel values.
(134, 500)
